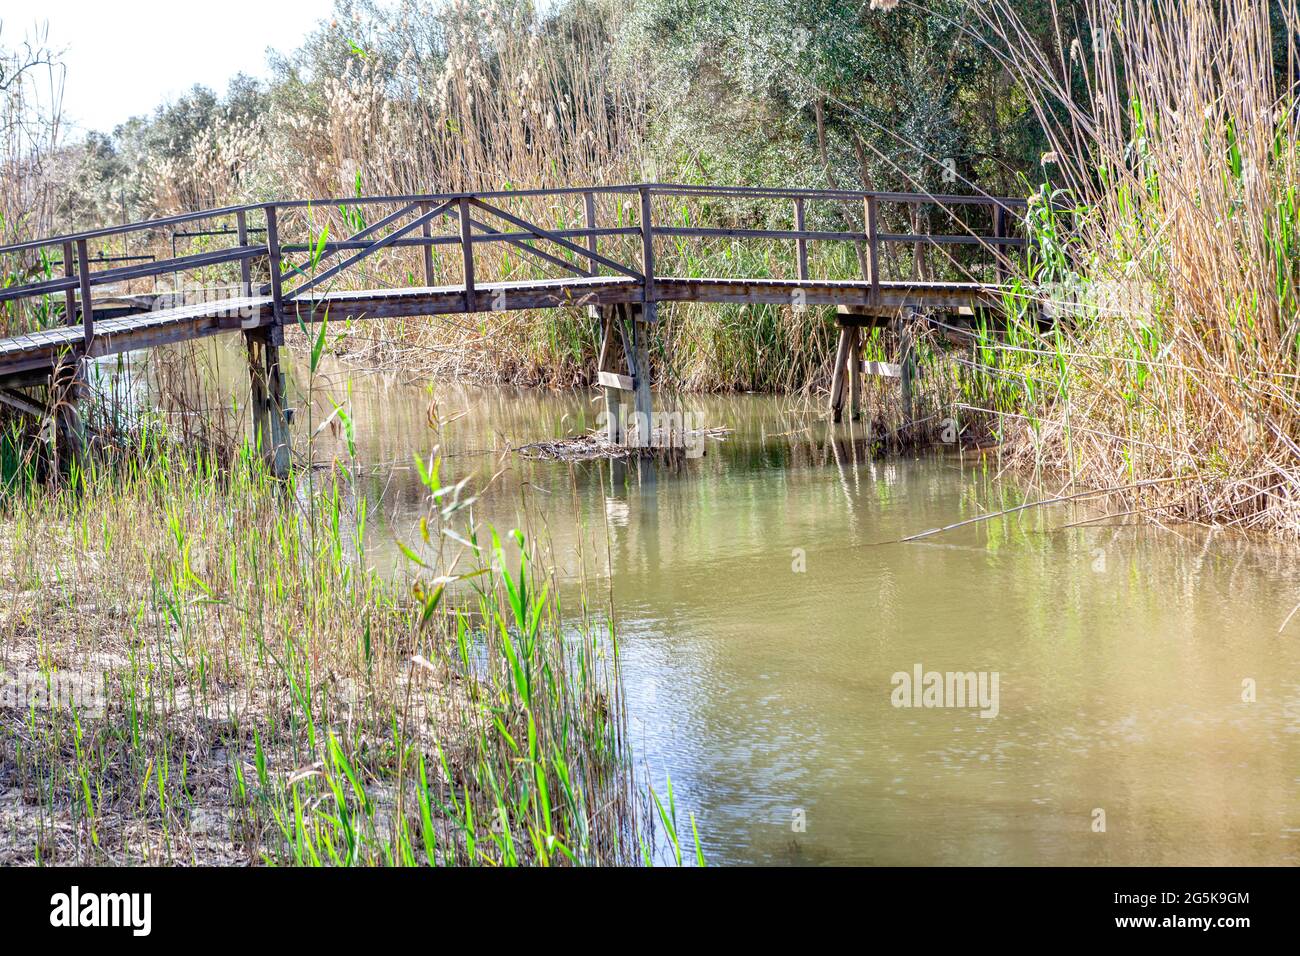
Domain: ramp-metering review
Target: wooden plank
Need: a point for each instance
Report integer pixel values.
(276, 411)
(259, 403)
(907, 359)
(872, 215)
(277, 281)
(245, 265)
(623, 383)
(69, 296)
(611, 319)
(931, 239)
(23, 403)
(589, 217)
(798, 234)
(643, 319)
(518, 238)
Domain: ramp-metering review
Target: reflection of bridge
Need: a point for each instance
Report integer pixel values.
(608, 267)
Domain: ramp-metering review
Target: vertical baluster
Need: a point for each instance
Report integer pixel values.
(427, 232)
(87, 308)
(589, 209)
(70, 296)
(245, 267)
(467, 251)
(253, 346)
(999, 250)
(647, 247)
(277, 282)
(801, 244)
(873, 246)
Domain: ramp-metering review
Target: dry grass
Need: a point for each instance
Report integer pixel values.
(269, 697)
(1174, 133)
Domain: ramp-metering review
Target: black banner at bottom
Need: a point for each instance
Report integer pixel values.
(273, 905)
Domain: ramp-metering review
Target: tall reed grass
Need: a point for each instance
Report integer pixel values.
(1167, 242)
(269, 698)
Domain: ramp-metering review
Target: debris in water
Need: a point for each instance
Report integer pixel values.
(594, 445)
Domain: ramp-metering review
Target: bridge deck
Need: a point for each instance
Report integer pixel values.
(39, 350)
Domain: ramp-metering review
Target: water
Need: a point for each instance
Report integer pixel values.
(763, 613)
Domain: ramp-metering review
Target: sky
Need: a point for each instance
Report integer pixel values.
(125, 57)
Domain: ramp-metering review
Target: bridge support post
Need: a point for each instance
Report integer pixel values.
(253, 344)
(609, 318)
(853, 370)
(842, 352)
(277, 411)
(67, 388)
(907, 364)
(258, 404)
(643, 318)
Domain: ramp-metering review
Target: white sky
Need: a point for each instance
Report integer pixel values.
(125, 57)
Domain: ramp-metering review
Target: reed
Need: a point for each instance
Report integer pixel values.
(1167, 241)
(268, 698)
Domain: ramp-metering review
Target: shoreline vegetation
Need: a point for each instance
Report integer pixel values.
(241, 687)
(272, 701)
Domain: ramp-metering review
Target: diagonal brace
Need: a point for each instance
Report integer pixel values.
(541, 233)
(374, 247)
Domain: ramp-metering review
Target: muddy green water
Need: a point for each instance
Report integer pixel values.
(762, 623)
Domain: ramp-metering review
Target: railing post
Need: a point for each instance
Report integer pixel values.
(999, 250)
(245, 267)
(427, 232)
(872, 215)
(589, 210)
(277, 284)
(921, 251)
(70, 296)
(800, 244)
(647, 248)
(467, 251)
(597, 315)
(87, 308)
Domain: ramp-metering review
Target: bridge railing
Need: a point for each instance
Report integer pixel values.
(480, 218)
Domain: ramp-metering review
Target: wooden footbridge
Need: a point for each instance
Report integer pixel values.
(601, 242)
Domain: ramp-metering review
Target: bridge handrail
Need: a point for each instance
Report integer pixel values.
(459, 205)
(666, 189)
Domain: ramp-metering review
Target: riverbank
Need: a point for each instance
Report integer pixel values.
(198, 668)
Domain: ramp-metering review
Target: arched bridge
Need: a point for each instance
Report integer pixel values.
(79, 296)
